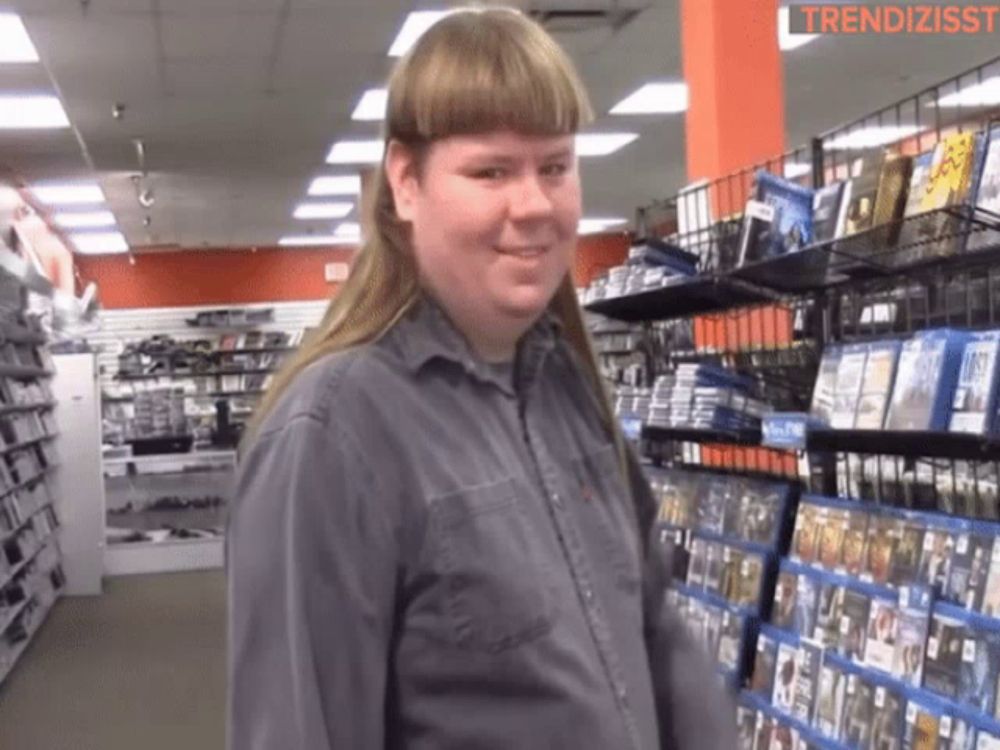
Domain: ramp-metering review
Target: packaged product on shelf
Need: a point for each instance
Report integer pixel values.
(854, 548)
(698, 563)
(943, 661)
(731, 641)
(980, 670)
(828, 211)
(834, 523)
(891, 198)
(883, 631)
(765, 657)
(746, 722)
(765, 730)
(749, 581)
(759, 511)
(806, 593)
(963, 735)
(991, 592)
(887, 718)
(906, 561)
(861, 192)
(949, 184)
(988, 190)
(777, 221)
(713, 630)
(854, 625)
(876, 384)
(786, 737)
(923, 725)
(809, 657)
(713, 566)
(821, 407)
(987, 741)
(975, 405)
(673, 552)
(805, 541)
(935, 562)
(885, 532)
(859, 698)
(925, 381)
(829, 609)
(713, 508)
(828, 715)
(785, 677)
(783, 612)
(968, 568)
(847, 389)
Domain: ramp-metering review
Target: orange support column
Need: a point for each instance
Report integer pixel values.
(732, 65)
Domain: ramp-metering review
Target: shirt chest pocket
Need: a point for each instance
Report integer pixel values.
(603, 504)
(495, 570)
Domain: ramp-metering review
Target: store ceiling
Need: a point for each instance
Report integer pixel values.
(238, 101)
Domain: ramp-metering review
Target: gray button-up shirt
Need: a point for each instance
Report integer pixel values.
(426, 553)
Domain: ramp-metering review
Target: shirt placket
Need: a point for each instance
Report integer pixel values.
(573, 548)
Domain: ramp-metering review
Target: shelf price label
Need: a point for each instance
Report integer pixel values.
(786, 430)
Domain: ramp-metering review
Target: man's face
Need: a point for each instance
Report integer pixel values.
(494, 221)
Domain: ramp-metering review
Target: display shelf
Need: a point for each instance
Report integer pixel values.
(171, 458)
(19, 408)
(701, 294)
(6, 450)
(18, 334)
(909, 443)
(803, 271)
(16, 371)
(14, 532)
(186, 375)
(6, 623)
(29, 481)
(15, 571)
(257, 350)
(23, 646)
(690, 434)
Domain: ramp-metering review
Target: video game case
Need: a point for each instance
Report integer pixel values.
(884, 536)
(969, 563)
(923, 727)
(828, 715)
(809, 660)
(855, 544)
(943, 660)
(805, 540)
(905, 567)
(887, 719)
(829, 609)
(935, 561)
(831, 540)
(975, 403)
(765, 658)
(883, 632)
(911, 641)
(859, 695)
(785, 677)
(854, 625)
(876, 384)
(925, 381)
(807, 591)
(980, 671)
(847, 389)
(821, 406)
(783, 612)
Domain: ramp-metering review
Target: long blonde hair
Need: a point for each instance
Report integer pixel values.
(475, 71)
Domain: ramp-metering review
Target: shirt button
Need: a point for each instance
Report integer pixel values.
(556, 499)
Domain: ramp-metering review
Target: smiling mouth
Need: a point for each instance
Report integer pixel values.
(523, 252)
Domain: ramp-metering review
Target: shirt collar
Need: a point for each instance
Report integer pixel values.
(426, 333)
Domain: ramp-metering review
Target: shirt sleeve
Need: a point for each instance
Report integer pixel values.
(311, 562)
(693, 708)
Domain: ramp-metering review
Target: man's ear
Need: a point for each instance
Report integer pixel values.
(401, 171)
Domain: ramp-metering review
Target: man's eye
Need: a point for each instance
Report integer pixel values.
(555, 170)
(488, 173)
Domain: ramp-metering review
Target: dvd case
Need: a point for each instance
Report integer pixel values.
(943, 662)
(980, 671)
(762, 678)
(807, 591)
(935, 561)
(809, 659)
(925, 381)
(883, 629)
(855, 545)
(911, 641)
(887, 719)
(923, 727)
(829, 712)
(821, 407)
(785, 677)
(805, 541)
(847, 389)
(833, 528)
(975, 402)
(854, 625)
(876, 384)
(783, 612)
(968, 565)
(858, 707)
(885, 532)
(829, 609)
(905, 567)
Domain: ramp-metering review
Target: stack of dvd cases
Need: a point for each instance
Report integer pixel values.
(720, 537)
(705, 396)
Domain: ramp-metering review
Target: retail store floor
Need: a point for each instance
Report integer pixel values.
(142, 666)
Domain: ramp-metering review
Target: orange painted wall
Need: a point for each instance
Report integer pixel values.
(233, 277)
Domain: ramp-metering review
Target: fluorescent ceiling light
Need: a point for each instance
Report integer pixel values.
(323, 210)
(22, 112)
(356, 152)
(592, 225)
(871, 137)
(99, 243)
(788, 41)
(85, 219)
(15, 44)
(984, 94)
(372, 105)
(343, 185)
(348, 229)
(413, 28)
(654, 98)
(306, 240)
(602, 144)
(69, 194)
(795, 169)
